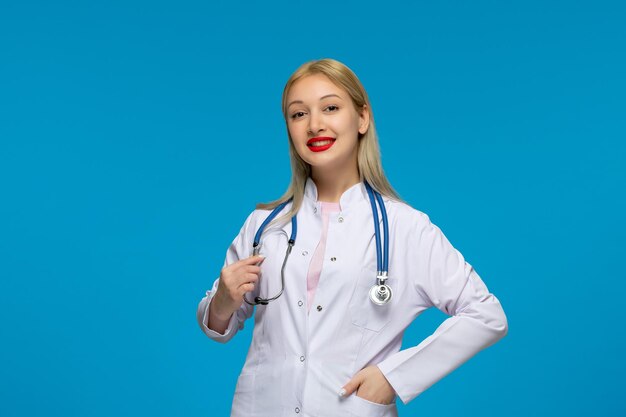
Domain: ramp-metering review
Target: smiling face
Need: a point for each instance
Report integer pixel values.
(324, 125)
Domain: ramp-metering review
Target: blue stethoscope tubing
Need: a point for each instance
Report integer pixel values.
(379, 293)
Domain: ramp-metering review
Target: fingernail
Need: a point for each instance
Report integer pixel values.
(342, 392)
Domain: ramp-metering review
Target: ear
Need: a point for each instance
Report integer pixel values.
(364, 119)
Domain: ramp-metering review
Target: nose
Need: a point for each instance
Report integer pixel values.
(316, 123)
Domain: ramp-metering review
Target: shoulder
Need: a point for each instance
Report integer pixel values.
(413, 227)
(257, 216)
(405, 215)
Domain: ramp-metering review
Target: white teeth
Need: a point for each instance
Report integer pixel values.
(321, 143)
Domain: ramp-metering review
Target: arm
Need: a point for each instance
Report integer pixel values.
(220, 330)
(218, 320)
(453, 286)
(212, 319)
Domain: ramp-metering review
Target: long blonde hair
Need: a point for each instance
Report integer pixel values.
(368, 156)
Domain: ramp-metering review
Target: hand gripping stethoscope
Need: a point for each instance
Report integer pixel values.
(380, 293)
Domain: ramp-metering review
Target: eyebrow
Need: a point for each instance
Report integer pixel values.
(321, 98)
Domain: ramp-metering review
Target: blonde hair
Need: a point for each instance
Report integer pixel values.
(368, 156)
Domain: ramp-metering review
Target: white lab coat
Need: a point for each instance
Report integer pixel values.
(298, 362)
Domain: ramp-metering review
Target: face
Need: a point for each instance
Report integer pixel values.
(323, 123)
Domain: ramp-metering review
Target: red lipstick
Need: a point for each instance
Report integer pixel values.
(320, 147)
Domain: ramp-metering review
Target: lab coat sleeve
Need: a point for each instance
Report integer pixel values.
(445, 280)
(240, 248)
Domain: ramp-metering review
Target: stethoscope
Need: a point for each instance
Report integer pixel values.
(380, 293)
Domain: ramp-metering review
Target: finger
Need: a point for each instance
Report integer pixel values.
(246, 279)
(351, 386)
(252, 269)
(236, 280)
(249, 287)
(250, 278)
(252, 260)
(255, 260)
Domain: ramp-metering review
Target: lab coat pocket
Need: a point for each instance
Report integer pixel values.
(363, 311)
(362, 407)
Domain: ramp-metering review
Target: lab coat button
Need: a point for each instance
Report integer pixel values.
(319, 308)
(304, 253)
(300, 303)
(314, 209)
(333, 259)
(340, 219)
(301, 358)
(297, 409)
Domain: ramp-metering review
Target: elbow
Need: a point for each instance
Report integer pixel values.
(494, 319)
(491, 316)
(500, 325)
(503, 328)
(497, 321)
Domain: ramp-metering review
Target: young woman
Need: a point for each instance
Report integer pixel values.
(337, 276)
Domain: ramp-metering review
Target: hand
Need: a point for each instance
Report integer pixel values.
(370, 384)
(236, 279)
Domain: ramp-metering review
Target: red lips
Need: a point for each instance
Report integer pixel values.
(318, 139)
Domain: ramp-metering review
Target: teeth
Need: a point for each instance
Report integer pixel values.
(321, 143)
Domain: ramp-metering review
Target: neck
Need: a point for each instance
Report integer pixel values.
(331, 185)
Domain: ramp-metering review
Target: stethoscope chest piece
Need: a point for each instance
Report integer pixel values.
(380, 294)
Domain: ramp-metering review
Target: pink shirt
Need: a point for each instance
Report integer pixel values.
(317, 260)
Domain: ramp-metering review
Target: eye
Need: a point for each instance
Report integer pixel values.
(332, 107)
(297, 115)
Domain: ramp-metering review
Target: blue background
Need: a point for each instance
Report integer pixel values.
(137, 136)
